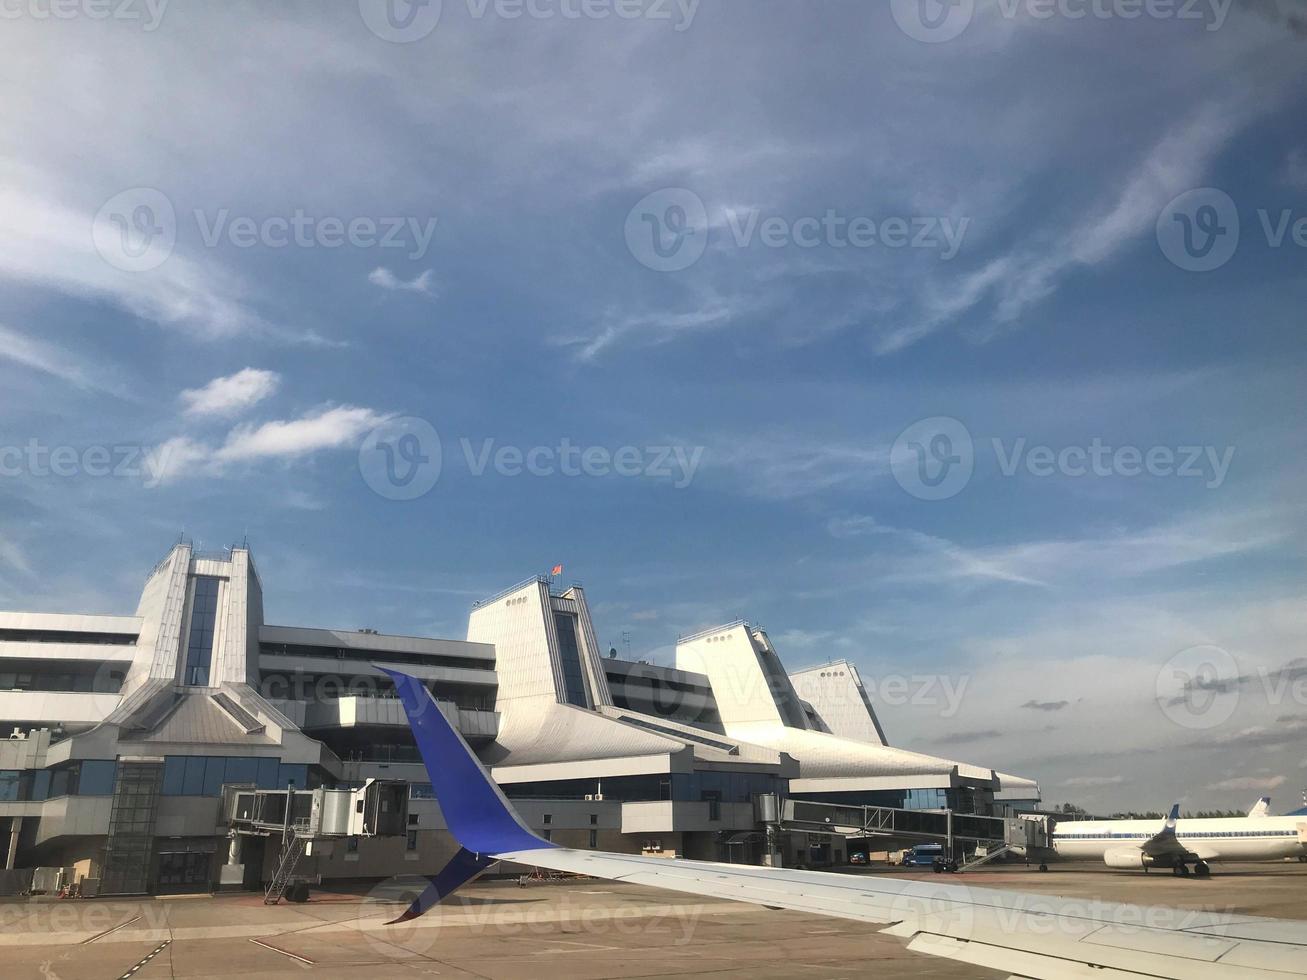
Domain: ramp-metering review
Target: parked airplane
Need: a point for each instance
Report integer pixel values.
(1179, 844)
(1024, 934)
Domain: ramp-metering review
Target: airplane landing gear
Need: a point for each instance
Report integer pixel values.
(1181, 870)
(1043, 867)
(1202, 869)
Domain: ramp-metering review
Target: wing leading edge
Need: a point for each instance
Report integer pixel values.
(1025, 934)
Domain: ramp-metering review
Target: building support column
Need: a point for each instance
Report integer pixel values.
(15, 828)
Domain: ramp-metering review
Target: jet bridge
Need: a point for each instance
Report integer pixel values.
(304, 820)
(994, 834)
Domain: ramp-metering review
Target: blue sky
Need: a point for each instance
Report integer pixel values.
(1039, 166)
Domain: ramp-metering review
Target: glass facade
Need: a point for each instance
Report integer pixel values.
(569, 653)
(89, 777)
(726, 787)
(199, 646)
(199, 775)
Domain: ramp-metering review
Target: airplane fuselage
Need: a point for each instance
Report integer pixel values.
(1207, 839)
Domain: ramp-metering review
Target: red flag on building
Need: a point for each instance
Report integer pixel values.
(557, 570)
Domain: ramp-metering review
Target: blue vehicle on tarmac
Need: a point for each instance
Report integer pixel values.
(928, 856)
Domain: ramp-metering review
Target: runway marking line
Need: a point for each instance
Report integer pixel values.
(284, 952)
(101, 935)
(132, 972)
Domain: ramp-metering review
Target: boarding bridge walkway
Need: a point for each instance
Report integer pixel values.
(946, 827)
(305, 818)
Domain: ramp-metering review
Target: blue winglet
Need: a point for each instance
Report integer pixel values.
(462, 868)
(476, 812)
(1173, 816)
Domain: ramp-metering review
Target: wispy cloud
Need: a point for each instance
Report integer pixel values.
(924, 558)
(784, 465)
(655, 327)
(283, 439)
(1251, 783)
(43, 357)
(385, 279)
(49, 244)
(232, 394)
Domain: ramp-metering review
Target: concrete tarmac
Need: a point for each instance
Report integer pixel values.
(582, 930)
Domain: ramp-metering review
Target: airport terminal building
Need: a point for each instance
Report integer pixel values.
(128, 734)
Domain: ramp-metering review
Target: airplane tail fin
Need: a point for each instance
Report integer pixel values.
(1261, 808)
(475, 810)
(1171, 819)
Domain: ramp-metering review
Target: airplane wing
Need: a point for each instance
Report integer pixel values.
(1164, 843)
(1025, 934)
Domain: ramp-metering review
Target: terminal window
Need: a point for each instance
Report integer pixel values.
(570, 654)
(204, 614)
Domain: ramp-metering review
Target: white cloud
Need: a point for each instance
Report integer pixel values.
(282, 439)
(1254, 783)
(328, 428)
(232, 394)
(386, 279)
(176, 459)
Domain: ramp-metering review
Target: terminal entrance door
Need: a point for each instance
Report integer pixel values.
(184, 871)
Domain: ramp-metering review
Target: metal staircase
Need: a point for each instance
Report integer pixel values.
(988, 856)
(290, 857)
